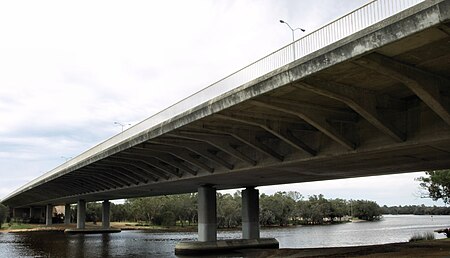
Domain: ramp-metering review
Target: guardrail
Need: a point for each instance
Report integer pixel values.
(353, 22)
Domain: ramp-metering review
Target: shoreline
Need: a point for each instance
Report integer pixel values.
(425, 248)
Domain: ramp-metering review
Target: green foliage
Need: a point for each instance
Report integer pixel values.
(437, 183)
(160, 210)
(415, 210)
(229, 210)
(276, 209)
(422, 236)
(3, 214)
(366, 210)
(281, 209)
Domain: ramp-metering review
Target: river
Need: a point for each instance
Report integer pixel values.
(143, 244)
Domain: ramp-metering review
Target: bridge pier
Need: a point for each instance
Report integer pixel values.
(106, 214)
(48, 214)
(207, 218)
(67, 214)
(207, 225)
(81, 214)
(250, 213)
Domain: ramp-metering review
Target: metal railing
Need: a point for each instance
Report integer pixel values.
(363, 17)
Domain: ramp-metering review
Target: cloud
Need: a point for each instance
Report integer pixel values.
(70, 70)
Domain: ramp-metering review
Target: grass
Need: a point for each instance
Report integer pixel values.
(422, 236)
(9, 226)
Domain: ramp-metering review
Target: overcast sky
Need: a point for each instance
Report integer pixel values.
(70, 69)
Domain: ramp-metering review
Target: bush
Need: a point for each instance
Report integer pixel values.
(3, 214)
(422, 236)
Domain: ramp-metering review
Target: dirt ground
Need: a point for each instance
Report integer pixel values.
(432, 248)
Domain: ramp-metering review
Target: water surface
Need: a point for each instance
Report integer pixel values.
(143, 244)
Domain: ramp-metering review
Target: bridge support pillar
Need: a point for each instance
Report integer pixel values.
(105, 214)
(207, 219)
(67, 214)
(48, 215)
(81, 214)
(250, 213)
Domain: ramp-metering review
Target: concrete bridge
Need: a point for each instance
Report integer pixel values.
(365, 95)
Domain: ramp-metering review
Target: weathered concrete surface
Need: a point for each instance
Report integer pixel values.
(81, 214)
(91, 231)
(196, 248)
(207, 218)
(106, 210)
(250, 213)
(373, 103)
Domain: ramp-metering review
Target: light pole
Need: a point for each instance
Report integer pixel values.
(122, 125)
(293, 35)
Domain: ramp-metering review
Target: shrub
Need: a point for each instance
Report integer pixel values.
(422, 236)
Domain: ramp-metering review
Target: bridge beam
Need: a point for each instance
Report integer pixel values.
(48, 214)
(207, 216)
(425, 85)
(67, 213)
(362, 101)
(81, 214)
(250, 213)
(245, 137)
(277, 129)
(316, 118)
(106, 205)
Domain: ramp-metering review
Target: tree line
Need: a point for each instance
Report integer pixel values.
(279, 209)
(415, 210)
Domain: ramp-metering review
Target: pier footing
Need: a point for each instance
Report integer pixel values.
(193, 248)
(91, 230)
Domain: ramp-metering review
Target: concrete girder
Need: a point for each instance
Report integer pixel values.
(102, 177)
(219, 142)
(425, 85)
(78, 188)
(100, 180)
(97, 185)
(194, 147)
(278, 129)
(246, 138)
(110, 175)
(157, 169)
(141, 175)
(134, 179)
(155, 155)
(55, 189)
(178, 152)
(316, 118)
(360, 100)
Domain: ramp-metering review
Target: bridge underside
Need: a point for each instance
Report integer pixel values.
(375, 103)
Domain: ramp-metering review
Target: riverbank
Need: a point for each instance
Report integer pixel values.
(431, 248)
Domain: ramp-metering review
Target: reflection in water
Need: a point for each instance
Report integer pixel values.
(144, 244)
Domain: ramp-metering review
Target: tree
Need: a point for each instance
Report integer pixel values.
(366, 210)
(3, 214)
(437, 183)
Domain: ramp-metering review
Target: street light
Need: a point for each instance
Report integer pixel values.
(122, 125)
(293, 35)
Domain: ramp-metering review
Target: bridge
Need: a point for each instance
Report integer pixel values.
(367, 94)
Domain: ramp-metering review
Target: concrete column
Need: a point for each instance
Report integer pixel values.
(105, 214)
(81, 214)
(67, 214)
(250, 213)
(48, 214)
(207, 218)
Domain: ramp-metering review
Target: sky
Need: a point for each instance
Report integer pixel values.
(70, 69)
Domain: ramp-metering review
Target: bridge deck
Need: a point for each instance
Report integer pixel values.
(373, 103)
